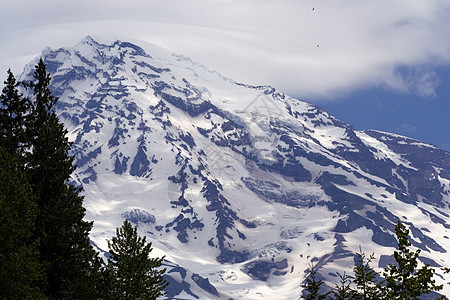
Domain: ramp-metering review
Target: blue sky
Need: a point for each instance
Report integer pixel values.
(422, 117)
(377, 64)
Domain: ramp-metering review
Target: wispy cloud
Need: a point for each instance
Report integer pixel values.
(406, 128)
(337, 47)
(424, 83)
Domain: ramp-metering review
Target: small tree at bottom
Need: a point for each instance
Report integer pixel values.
(343, 290)
(365, 278)
(312, 286)
(132, 273)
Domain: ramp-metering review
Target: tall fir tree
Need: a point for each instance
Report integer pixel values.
(14, 111)
(134, 274)
(64, 249)
(403, 279)
(20, 270)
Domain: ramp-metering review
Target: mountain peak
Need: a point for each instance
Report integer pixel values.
(239, 186)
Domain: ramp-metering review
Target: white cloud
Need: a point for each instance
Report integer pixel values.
(360, 42)
(406, 128)
(425, 83)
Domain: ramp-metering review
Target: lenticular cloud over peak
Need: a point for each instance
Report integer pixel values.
(313, 49)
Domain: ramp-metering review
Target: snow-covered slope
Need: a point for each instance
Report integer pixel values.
(241, 187)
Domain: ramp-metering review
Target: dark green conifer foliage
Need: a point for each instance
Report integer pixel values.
(343, 290)
(312, 286)
(446, 271)
(14, 109)
(136, 275)
(20, 271)
(365, 278)
(403, 279)
(64, 242)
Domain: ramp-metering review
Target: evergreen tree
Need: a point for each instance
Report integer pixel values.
(365, 278)
(312, 286)
(20, 271)
(64, 248)
(403, 279)
(446, 271)
(136, 275)
(343, 290)
(14, 109)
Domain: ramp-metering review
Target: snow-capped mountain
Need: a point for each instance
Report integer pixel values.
(240, 187)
